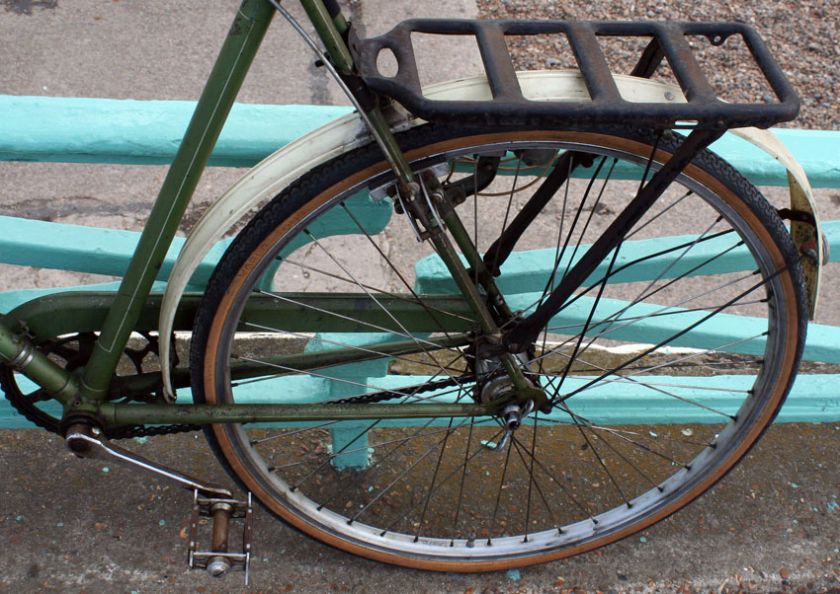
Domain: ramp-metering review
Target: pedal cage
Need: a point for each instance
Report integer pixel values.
(219, 560)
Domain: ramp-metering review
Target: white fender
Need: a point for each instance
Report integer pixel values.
(276, 172)
(805, 237)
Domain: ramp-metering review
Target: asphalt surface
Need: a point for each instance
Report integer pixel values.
(70, 526)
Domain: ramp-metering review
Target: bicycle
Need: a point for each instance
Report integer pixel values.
(465, 387)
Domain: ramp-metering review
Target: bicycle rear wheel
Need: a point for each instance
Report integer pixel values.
(663, 369)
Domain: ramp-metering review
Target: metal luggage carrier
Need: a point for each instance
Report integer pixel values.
(703, 107)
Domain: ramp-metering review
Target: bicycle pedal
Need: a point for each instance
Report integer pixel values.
(218, 560)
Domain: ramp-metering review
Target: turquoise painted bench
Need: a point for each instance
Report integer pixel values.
(148, 132)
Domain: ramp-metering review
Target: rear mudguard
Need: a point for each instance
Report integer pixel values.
(275, 173)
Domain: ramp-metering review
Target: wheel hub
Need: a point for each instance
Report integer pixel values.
(495, 383)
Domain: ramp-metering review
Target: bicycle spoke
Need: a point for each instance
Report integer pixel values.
(532, 482)
(559, 257)
(463, 476)
(600, 460)
(501, 486)
(507, 214)
(350, 346)
(639, 260)
(531, 476)
(673, 337)
(417, 299)
(658, 215)
(576, 417)
(663, 311)
(456, 471)
(348, 318)
(369, 294)
(562, 488)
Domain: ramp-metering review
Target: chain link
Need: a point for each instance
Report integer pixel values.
(390, 395)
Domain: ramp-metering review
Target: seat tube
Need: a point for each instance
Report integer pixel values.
(232, 64)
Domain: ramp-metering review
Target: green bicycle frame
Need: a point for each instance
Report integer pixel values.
(88, 391)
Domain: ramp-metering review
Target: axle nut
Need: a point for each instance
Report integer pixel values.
(218, 567)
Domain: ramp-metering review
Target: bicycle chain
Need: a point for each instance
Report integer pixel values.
(390, 394)
(144, 431)
(16, 399)
(364, 399)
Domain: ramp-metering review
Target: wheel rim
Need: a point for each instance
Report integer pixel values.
(521, 502)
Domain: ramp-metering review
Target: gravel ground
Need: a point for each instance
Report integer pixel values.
(804, 37)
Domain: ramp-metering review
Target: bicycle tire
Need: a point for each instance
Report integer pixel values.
(498, 513)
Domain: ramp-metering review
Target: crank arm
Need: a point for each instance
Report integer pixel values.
(88, 442)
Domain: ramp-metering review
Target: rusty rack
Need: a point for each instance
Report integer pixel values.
(703, 107)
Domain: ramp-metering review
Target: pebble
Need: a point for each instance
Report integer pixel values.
(514, 575)
(784, 572)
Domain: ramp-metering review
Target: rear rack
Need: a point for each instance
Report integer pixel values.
(703, 107)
